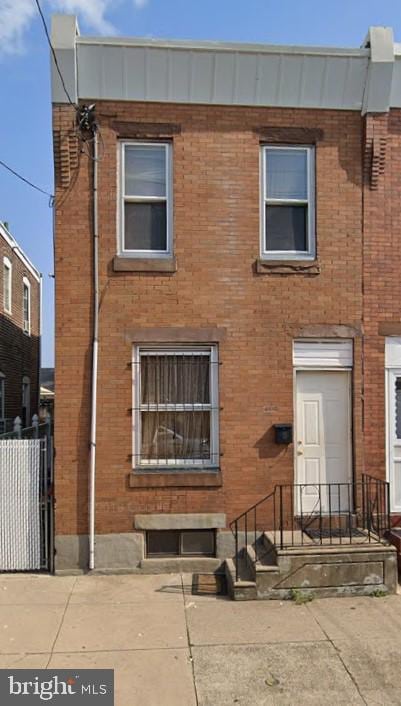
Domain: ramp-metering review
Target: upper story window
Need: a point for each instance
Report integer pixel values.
(288, 209)
(145, 199)
(176, 406)
(7, 284)
(26, 305)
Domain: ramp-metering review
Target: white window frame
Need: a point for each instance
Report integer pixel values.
(7, 266)
(2, 396)
(310, 252)
(123, 198)
(27, 329)
(163, 464)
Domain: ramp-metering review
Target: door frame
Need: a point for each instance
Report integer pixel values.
(324, 369)
(390, 374)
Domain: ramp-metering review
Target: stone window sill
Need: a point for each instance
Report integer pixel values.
(175, 479)
(287, 267)
(138, 264)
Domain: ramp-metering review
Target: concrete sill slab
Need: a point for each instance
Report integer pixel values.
(287, 267)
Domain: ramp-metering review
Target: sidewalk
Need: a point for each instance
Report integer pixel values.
(171, 648)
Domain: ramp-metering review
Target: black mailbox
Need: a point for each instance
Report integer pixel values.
(283, 433)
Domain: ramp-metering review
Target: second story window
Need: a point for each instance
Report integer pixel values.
(288, 216)
(26, 305)
(7, 284)
(145, 199)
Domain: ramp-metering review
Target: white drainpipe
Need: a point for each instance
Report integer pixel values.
(95, 346)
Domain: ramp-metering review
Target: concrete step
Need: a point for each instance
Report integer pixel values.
(312, 571)
(245, 588)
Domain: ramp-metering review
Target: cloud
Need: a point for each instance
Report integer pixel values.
(92, 12)
(15, 18)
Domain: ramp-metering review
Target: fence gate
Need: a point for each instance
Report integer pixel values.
(26, 501)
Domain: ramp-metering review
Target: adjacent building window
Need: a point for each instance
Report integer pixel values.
(7, 284)
(2, 401)
(176, 407)
(26, 401)
(180, 543)
(146, 195)
(288, 216)
(26, 305)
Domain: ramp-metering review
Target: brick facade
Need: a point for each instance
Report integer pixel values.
(19, 352)
(382, 283)
(217, 284)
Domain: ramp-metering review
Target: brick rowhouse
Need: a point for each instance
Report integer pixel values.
(217, 289)
(19, 348)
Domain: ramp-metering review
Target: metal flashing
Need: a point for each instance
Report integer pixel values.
(366, 79)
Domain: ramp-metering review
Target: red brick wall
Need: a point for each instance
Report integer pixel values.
(216, 241)
(382, 281)
(19, 353)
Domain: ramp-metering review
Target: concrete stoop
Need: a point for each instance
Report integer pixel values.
(312, 571)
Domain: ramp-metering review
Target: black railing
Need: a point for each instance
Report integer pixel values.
(308, 514)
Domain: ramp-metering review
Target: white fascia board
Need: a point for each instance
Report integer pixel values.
(377, 95)
(64, 31)
(8, 238)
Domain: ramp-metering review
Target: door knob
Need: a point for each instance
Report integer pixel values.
(300, 453)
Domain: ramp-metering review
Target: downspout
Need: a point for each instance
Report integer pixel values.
(95, 346)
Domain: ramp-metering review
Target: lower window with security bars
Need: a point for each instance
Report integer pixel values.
(175, 413)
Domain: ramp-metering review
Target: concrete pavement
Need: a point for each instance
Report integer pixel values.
(171, 648)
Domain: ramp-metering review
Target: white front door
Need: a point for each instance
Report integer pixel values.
(322, 441)
(394, 437)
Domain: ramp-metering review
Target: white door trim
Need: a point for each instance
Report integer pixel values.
(391, 439)
(392, 365)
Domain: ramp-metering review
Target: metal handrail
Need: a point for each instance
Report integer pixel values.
(343, 513)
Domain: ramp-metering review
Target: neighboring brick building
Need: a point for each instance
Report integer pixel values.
(20, 328)
(241, 193)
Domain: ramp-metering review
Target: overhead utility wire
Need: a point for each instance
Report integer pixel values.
(30, 183)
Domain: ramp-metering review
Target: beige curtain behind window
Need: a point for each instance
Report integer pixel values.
(175, 380)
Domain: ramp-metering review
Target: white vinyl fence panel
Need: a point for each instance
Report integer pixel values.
(20, 504)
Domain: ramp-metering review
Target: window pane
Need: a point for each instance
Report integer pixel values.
(175, 436)
(1, 399)
(145, 226)
(163, 542)
(286, 228)
(197, 542)
(145, 170)
(175, 379)
(398, 408)
(286, 174)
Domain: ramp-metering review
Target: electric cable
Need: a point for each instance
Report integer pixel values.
(71, 102)
(30, 183)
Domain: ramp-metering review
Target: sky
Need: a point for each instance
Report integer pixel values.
(25, 118)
